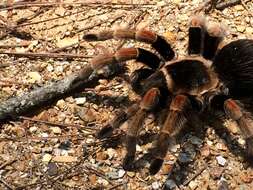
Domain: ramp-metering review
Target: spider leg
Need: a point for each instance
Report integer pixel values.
(156, 41)
(176, 119)
(141, 55)
(142, 81)
(149, 102)
(204, 39)
(137, 78)
(117, 121)
(245, 123)
(213, 36)
(196, 35)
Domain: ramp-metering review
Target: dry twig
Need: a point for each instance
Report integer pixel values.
(40, 97)
(46, 55)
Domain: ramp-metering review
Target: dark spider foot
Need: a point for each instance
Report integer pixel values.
(249, 147)
(155, 166)
(128, 163)
(105, 132)
(90, 37)
(137, 77)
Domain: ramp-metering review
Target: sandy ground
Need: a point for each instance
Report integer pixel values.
(40, 155)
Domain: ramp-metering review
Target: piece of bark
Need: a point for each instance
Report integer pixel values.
(43, 96)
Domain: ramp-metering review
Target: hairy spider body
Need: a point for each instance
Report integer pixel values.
(211, 77)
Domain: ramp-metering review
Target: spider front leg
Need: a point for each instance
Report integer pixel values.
(176, 119)
(157, 42)
(136, 80)
(148, 103)
(204, 39)
(141, 55)
(245, 123)
(196, 35)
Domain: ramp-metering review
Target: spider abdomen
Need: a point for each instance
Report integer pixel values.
(234, 66)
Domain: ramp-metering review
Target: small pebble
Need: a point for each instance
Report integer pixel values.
(80, 101)
(89, 115)
(93, 178)
(216, 172)
(102, 156)
(188, 155)
(239, 8)
(103, 82)
(47, 149)
(223, 185)
(61, 104)
(121, 173)
(103, 182)
(210, 143)
(240, 28)
(138, 148)
(111, 153)
(249, 30)
(44, 135)
(34, 77)
(193, 185)
(221, 146)
(241, 141)
(50, 68)
(195, 140)
(174, 147)
(156, 185)
(33, 129)
(64, 159)
(46, 158)
(246, 177)
(205, 151)
(131, 174)
(52, 169)
(170, 184)
(221, 161)
(113, 175)
(56, 130)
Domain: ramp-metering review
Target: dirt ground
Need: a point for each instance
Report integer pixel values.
(57, 148)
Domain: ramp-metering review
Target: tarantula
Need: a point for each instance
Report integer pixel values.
(213, 76)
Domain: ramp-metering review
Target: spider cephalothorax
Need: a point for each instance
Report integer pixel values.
(213, 76)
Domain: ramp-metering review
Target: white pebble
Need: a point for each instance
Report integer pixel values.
(170, 184)
(121, 173)
(138, 148)
(46, 158)
(33, 129)
(156, 185)
(56, 130)
(193, 185)
(80, 101)
(221, 161)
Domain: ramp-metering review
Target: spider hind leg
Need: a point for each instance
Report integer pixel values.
(148, 103)
(245, 123)
(176, 119)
